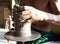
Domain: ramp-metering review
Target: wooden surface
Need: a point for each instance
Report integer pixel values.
(4, 14)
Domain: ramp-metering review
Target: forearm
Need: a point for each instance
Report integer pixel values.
(42, 14)
(48, 16)
(53, 17)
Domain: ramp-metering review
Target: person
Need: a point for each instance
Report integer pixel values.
(41, 11)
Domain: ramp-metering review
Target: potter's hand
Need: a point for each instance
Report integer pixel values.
(26, 14)
(32, 13)
(39, 15)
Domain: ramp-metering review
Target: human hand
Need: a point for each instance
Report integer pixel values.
(31, 12)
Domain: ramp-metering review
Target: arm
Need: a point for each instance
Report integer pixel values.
(48, 16)
(44, 15)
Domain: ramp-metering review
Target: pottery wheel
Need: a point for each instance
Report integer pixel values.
(35, 35)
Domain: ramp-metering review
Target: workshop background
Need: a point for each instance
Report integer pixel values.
(6, 11)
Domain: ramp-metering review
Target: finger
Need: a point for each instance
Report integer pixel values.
(26, 16)
(26, 12)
